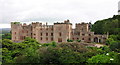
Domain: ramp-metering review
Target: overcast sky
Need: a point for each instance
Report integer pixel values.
(56, 10)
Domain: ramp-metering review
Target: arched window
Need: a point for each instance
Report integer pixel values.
(96, 39)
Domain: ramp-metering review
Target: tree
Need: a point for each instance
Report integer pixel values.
(6, 36)
(50, 54)
(12, 51)
(107, 25)
(104, 58)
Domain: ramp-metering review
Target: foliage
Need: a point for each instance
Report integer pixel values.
(50, 44)
(104, 58)
(30, 51)
(107, 25)
(78, 40)
(114, 42)
(115, 46)
(68, 40)
(6, 36)
(61, 53)
(11, 50)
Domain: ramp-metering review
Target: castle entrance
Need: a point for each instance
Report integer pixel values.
(96, 39)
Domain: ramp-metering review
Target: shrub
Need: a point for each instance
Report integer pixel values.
(78, 40)
(68, 40)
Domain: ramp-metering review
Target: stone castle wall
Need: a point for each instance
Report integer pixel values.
(59, 32)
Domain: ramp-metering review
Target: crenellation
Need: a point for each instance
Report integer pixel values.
(59, 32)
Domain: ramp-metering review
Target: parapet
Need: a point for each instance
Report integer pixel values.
(83, 23)
(65, 22)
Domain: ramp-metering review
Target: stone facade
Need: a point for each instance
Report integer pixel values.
(59, 32)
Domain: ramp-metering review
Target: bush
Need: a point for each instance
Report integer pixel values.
(68, 40)
(110, 57)
(78, 40)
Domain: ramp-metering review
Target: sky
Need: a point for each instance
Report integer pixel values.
(51, 11)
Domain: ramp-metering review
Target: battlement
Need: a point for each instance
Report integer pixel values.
(83, 23)
(58, 32)
(65, 22)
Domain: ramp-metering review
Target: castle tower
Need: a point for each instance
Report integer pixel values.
(62, 31)
(119, 8)
(15, 30)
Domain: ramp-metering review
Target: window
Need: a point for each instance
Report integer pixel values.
(34, 37)
(83, 34)
(82, 38)
(46, 34)
(89, 34)
(73, 38)
(51, 28)
(34, 34)
(77, 38)
(52, 39)
(40, 28)
(59, 39)
(41, 38)
(24, 37)
(21, 37)
(60, 34)
(27, 31)
(51, 34)
(15, 37)
(15, 33)
(46, 38)
(89, 39)
(41, 34)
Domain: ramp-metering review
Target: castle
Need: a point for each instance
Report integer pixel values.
(59, 32)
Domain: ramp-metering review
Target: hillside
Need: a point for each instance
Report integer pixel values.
(4, 30)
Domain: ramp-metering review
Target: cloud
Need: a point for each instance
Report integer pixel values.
(56, 10)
